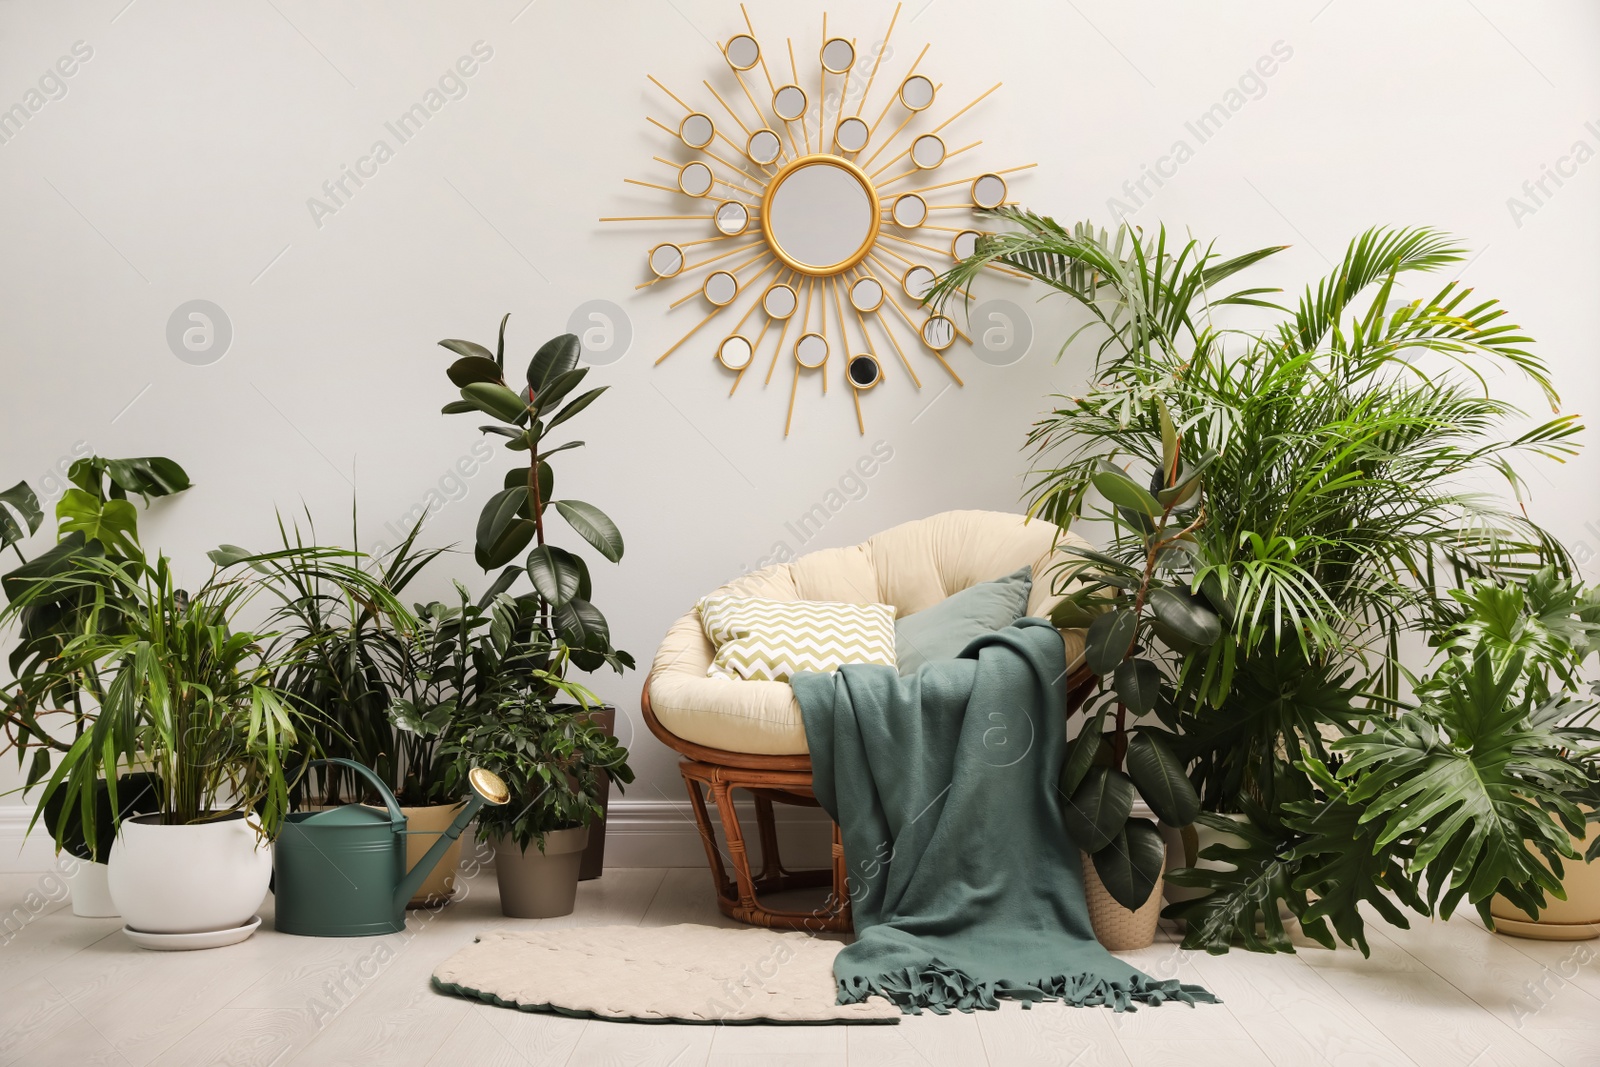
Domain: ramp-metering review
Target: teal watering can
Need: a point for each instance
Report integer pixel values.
(342, 872)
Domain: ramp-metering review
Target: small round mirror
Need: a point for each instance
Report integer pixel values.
(864, 372)
(695, 179)
(721, 288)
(779, 302)
(763, 147)
(731, 217)
(666, 260)
(820, 215)
(811, 351)
(988, 191)
(916, 92)
(838, 56)
(696, 130)
(866, 295)
(927, 151)
(964, 244)
(938, 333)
(909, 211)
(789, 102)
(851, 135)
(488, 785)
(917, 281)
(743, 52)
(734, 352)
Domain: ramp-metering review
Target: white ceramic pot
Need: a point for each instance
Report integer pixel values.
(91, 892)
(188, 879)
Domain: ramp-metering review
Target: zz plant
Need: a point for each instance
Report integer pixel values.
(517, 516)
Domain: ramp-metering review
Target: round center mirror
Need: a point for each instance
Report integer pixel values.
(820, 215)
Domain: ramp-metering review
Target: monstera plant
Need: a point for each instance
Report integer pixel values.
(518, 516)
(1129, 605)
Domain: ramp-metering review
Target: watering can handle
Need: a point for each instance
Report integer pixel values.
(395, 814)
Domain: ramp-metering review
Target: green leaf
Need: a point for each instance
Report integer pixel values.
(1080, 754)
(469, 369)
(593, 526)
(1187, 617)
(1169, 441)
(504, 528)
(500, 344)
(1131, 863)
(20, 499)
(582, 626)
(1115, 485)
(1161, 779)
(1098, 808)
(1138, 684)
(113, 523)
(555, 357)
(494, 399)
(557, 389)
(51, 564)
(555, 573)
(576, 406)
(547, 481)
(1109, 639)
(148, 476)
(469, 348)
(1068, 614)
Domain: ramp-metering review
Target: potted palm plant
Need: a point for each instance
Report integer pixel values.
(44, 710)
(188, 697)
(1349, 435)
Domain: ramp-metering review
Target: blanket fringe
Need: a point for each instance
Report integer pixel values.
(941, 989)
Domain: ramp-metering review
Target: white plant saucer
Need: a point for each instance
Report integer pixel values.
(187, 942)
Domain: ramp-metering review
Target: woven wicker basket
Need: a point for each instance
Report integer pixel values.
(1117, 928)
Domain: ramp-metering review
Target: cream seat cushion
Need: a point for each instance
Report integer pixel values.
(912, 567)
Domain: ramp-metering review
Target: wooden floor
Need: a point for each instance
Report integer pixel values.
(74, 991)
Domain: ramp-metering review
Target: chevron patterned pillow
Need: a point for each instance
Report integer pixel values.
(770, 640)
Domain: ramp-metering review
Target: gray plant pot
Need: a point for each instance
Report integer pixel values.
(540, 885)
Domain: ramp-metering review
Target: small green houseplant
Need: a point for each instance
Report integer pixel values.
(189, 697)
(544, 745)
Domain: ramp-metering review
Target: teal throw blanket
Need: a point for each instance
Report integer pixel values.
(964, 884)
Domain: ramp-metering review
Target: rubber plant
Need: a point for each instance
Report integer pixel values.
(1127, 608)
(517, 516)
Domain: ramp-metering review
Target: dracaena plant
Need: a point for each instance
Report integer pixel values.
(525, 412)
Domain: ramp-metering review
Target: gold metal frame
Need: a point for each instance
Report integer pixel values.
(863, 98)
(820, 269)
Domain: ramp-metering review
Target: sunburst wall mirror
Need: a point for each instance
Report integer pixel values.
(818, 214)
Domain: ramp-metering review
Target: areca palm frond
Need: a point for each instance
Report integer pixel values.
(1353, 438)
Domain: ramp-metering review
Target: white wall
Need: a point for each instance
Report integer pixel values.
(180, 160)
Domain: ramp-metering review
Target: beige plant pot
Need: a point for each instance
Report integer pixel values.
(1117, 928)
(540, 885)
(423, 824)
(1575, 919)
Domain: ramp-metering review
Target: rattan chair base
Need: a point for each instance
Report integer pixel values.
(770, 779)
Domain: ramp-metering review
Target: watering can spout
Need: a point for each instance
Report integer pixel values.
(487, 788)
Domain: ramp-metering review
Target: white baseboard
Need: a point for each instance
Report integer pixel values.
(662, 833)
(20, 852)
(639, 833)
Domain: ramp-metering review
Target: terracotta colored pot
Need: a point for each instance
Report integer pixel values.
(540, 885)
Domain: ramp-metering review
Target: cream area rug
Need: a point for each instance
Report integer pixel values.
(683, 974)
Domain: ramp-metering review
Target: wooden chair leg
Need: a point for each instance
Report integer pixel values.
(738, 856)
(767, 831)
(719, 876)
